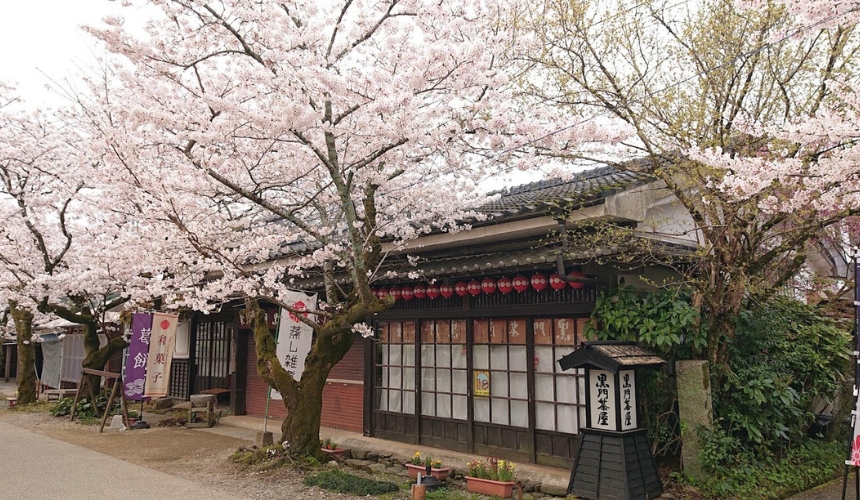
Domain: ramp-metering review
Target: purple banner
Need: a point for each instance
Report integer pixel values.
(135, 363)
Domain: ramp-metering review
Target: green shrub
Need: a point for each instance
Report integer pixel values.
(343, 482)
(446, 493)
(754, 478)
(783, 356)
(85, 409)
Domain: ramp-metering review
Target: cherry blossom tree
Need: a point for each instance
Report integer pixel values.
(698, 82)
(62, 251)
(297, 144)
(807, 159)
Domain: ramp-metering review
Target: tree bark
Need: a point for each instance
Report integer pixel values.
(26, 355)
(303, 398)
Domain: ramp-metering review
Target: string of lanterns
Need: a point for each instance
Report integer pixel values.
(487, 286)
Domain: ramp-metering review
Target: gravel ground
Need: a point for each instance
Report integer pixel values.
(196, 455)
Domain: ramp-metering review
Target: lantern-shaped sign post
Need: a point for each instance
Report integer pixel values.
(613, 459)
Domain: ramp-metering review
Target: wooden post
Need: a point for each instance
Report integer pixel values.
(8, 362)
(117, 386)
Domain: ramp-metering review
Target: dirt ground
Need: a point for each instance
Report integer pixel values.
(196, 455)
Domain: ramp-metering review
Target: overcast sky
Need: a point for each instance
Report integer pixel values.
(42, 40)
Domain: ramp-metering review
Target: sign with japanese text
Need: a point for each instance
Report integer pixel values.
(135, 361)
(601, 386)
(161, 344)
(294, 336)
(854, 457)
(627, 379)
(482, 383)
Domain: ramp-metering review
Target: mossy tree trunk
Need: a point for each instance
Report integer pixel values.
(303, 399)
(96, 357)
(23, 319)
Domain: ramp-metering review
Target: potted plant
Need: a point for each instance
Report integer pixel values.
(329, 447)
(490, 477)
(417, 465)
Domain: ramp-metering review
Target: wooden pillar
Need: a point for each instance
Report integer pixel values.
(8, 362)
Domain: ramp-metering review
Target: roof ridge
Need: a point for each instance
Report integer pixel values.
(591, 173)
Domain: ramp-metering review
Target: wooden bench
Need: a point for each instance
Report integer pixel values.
(56, 394)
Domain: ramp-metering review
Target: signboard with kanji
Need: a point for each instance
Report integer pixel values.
(601, 384)
(160, 355)
(138, 351)
(294, 336)
(627, 379)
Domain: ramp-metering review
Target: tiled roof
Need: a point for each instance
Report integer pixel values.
(583, 187)
(612, 356)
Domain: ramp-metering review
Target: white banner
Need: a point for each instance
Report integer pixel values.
(161, 343)
(294, 337)
(602, 399)
(854, 459)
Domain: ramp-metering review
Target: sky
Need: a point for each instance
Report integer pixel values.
(42, 41)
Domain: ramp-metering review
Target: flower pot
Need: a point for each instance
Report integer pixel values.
(337, 451)
(502, 489)
(439, 473)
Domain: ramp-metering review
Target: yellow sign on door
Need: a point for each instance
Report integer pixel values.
(482, 383)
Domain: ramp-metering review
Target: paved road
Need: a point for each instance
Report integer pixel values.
(36, 467)
(829, 491)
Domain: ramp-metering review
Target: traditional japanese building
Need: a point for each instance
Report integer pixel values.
(466, 357)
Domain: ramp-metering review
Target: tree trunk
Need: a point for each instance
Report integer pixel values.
(26, 355)
(303, 399)
(301, 428)
(96, 358)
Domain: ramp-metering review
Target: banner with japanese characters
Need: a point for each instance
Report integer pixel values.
(294, 337)
(602, 399)
(854, 457)
(628, 399)
(135, 361)
(160, 355)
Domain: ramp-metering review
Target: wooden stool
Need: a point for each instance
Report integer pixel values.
(12, 402)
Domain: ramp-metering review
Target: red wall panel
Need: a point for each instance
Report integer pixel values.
(343, 396)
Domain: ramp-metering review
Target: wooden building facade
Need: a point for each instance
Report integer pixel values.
(466, 359)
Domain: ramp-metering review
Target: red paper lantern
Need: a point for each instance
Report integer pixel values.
(433, 291)
(419, 291)
(474, 287)
(576, 284)
(520, 283)
(461, 288)
(538, 281)
(556, 283)
(381, 292)
(505, 285)
(395, 292)
(407, 293)
(447, 291)
(488, 286)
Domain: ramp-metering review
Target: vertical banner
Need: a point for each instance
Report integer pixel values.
(161, 344)
(135, 362)
(294, 337)
(854, 456)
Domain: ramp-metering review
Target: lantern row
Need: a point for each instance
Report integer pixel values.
(487, 286)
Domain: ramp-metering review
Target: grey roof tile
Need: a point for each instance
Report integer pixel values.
(583, 187)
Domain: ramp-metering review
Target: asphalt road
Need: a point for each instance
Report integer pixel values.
(36, 467)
